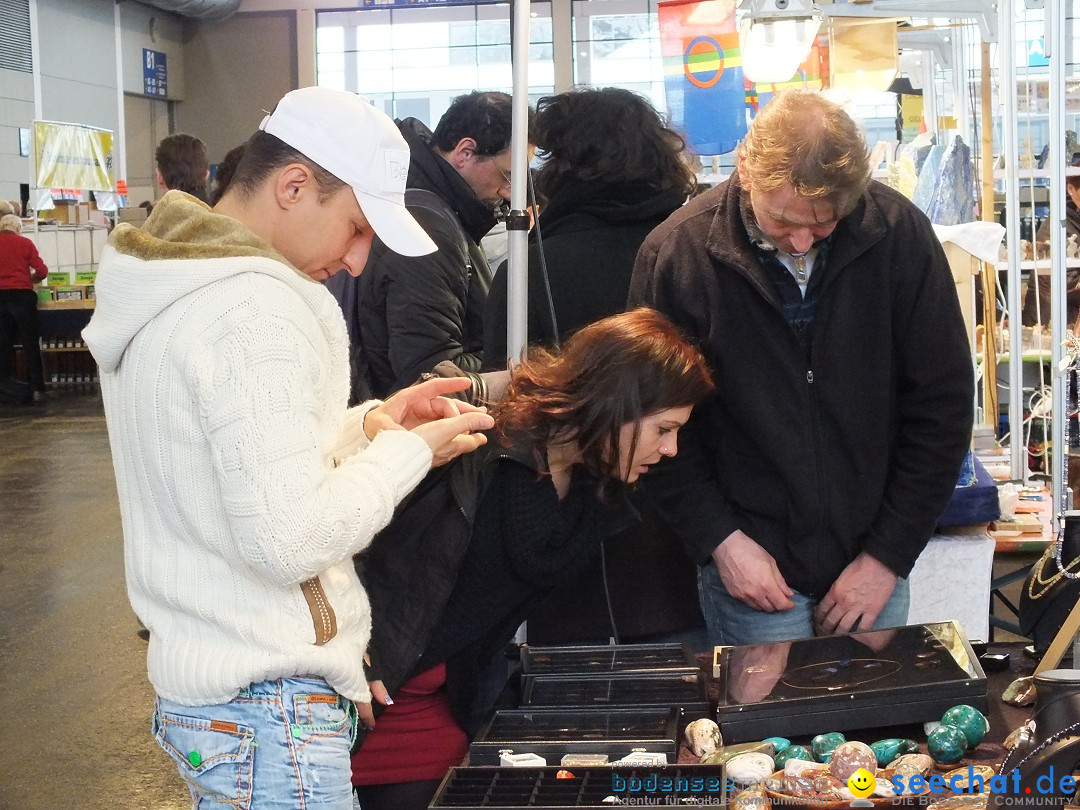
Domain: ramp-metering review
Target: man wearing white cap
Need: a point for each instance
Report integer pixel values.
(245, 484)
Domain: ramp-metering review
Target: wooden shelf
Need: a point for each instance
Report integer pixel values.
(58, 349)
(1040, 264)
(85, 303)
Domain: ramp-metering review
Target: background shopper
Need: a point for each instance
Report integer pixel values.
(406, 313)
(20, 267)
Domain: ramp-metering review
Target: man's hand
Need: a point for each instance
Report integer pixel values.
(418, 404)
(750, 574)
(452, 437)
(857, 596)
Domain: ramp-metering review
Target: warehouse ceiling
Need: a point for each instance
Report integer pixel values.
(199, 9)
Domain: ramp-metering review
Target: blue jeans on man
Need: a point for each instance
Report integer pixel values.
(732, 622)
(278, 745)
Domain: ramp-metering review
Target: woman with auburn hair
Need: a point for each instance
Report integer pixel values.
(483, 539)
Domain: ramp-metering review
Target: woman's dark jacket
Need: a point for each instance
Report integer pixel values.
(465, 559)
(591, 234)
(405, 314)
(855, 445)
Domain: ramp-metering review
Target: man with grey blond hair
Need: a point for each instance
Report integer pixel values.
(813, 477)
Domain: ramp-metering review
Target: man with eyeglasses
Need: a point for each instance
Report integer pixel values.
(406, 314)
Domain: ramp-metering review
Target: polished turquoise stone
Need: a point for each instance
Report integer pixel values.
(824, 744)
(779, 743)
(946, 745)
(969, 720)
(909, 747)
(886, 750)
(793, 752)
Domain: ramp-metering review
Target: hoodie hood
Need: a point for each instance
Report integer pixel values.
(183, 247)
(610, 203)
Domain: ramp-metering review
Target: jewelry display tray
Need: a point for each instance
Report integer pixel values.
(540, 789)
(606, 658)
(551, 733)
(679, 688)
(861, 680)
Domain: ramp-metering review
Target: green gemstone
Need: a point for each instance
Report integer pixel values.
(793, 752)
(195, 758)
(824, 744)
(886, 750)
(946, 745)
(890, 748)
(779, 743)
(971, 722)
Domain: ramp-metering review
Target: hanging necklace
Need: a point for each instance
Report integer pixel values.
(800, 267)
(1072, 346)
(1068, 731)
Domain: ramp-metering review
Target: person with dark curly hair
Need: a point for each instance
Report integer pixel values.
(612, 171)
(182, 164)
(406, 314)
(468, 557)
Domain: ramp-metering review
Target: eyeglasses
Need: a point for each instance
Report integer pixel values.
(505, 176)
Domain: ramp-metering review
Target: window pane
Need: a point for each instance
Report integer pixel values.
(416, 60)
(617, 44)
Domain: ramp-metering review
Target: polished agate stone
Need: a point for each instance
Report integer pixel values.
(849, 757)
(703, 736)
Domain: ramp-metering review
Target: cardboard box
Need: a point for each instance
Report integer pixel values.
(70, 293)
(135, 215)
(66, 256)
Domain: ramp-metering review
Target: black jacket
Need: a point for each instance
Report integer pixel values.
(430, 579)
(591, 234)
(405, 314)
(857, 448)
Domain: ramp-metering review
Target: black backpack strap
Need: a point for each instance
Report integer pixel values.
(429, 200)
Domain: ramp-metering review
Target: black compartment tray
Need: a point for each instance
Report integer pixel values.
(540, 789)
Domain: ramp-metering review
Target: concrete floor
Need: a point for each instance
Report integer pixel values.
(75, 701)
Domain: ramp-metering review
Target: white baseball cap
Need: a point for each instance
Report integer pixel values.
(361, 146)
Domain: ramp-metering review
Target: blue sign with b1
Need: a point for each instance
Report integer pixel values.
(155, 73)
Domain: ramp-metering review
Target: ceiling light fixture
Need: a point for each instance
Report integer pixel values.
(775, 37)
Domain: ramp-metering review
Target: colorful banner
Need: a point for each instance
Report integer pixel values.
(703, 78)
(72, 156)
(808, 77)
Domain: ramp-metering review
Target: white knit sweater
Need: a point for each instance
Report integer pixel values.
(240, 472)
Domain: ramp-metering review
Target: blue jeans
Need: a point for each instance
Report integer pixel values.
(278, 744)
(730, 621)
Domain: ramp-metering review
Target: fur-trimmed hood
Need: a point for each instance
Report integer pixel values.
(183, 247)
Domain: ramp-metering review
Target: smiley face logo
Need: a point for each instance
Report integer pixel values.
(862, 783)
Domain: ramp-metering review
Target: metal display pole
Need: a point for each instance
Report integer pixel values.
(1011, 150)
(517, 224)
(1055, 52)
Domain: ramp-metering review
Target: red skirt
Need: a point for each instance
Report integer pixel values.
(415, 739)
